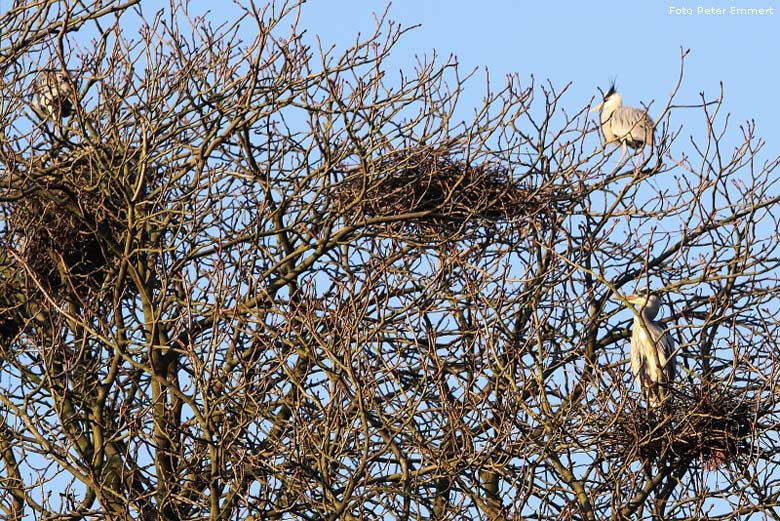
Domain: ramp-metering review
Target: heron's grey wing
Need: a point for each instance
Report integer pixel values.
(632, 125)
(53, 94)
(665, 345)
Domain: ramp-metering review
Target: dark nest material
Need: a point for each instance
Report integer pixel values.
(713, 423)
(69, 214)
(432, 191)
(11, 321)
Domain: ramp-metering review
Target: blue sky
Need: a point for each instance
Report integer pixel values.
(588, 43)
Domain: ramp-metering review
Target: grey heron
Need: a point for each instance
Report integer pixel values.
(652, 349)
(54, 95)
(628, 126)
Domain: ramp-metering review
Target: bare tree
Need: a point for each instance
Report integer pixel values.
(252, 278)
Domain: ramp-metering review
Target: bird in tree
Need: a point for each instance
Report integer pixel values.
(54, 95)
(652, 348)
(627, 126)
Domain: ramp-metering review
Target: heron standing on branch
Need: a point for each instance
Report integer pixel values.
(652, 349)
(628, 126)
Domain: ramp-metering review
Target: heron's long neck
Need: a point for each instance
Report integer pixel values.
(613, 103)
(648, 314)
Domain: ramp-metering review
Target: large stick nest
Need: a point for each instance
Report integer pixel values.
(69, 214)
(712, 423)
(430, 190)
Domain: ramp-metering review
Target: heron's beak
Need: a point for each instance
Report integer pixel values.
(597, 107)
(624, 298)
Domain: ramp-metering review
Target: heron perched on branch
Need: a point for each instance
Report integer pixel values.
(652, 349)
(54, 94)
(628, 126)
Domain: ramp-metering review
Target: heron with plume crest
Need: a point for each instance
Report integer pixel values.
(628, 126)
(652, 348)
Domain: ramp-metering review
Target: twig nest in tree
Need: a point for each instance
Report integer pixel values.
(431, 190)
(711, 423)
(71, 211)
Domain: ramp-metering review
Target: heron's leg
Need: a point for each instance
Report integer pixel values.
(650, 394)
(641, 156)
(664, 392)
(648, 387)
(622, 153)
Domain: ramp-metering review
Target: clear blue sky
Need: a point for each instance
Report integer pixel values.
(588, 43)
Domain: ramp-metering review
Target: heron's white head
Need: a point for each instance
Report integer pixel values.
(646, 303)
(612, 100)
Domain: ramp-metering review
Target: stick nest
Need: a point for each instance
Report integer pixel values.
(433, 191)
(712, 423)
(70, 211)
